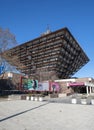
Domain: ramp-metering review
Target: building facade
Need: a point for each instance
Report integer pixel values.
(55, 55)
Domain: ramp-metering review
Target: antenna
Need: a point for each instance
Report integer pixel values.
(47, 30)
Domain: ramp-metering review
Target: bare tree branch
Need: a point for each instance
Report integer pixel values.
(7, 41)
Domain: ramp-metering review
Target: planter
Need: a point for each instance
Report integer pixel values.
(84, 101)
(23, 97)
(36, 98)
(73, 100)
(40, 99)
(27, 98)
(92, 101)
(32, 98)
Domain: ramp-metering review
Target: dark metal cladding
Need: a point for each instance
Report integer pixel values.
(56, 55)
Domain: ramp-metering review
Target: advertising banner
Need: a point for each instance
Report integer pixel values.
(54, 86)
(2, 67)
(43, 86)
(29, 84)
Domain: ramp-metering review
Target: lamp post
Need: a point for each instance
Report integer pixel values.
(32, 63)
(29, 58)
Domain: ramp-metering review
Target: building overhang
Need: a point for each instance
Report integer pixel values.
(49, 51)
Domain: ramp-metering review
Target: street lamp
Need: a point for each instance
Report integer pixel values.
(32, 63)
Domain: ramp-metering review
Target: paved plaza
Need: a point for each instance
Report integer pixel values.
(35, 115)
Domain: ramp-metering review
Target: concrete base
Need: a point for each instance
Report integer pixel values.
(83, 101)
(73, 100)
(92, 101)
(62, 95)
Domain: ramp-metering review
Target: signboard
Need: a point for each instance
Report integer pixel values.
(43, 86)
(76, 84)
(29, 84)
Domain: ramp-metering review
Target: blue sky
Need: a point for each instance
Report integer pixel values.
(27, 19)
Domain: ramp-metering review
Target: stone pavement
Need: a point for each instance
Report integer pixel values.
(34, 115)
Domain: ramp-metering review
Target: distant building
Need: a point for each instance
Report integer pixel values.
(76, 85)
(54, 55)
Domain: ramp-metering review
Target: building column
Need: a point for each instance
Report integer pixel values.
(87, 90)
(90, 90)
(93, 89)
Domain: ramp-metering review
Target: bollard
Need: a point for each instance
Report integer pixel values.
(27, 98)
(73, 100)
(36, 98)
(40, 99)
(92, 101)
(32, 98)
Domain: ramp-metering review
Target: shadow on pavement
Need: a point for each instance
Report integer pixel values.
(17, 114)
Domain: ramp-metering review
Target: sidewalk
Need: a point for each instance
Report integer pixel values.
(34, 115)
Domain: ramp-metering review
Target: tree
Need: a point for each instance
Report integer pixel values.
(7, 41)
